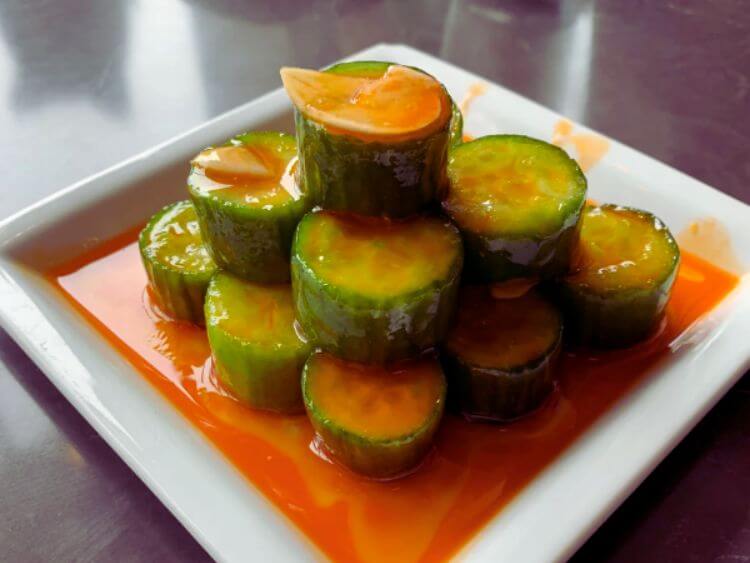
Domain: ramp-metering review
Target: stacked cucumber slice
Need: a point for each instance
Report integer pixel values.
(177, 263)
(621, 278)
(258, 353)
(249, 203)
(518, 203)
(377, 268)
(374, 290)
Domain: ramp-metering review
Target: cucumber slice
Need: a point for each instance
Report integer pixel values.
(257, 350)
(517, 202)
(177, 262)
(622, 276)
(249, 202)
(376, 421)
(374, 290)
(501, 356)
(370, 175)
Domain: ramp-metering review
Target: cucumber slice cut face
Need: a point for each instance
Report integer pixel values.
(177, 262)
(622, 276)
(501, 356)
(375, 290)
(249, 202)
(373, 174)
(379, 422)
(518, 202)
(258, 352)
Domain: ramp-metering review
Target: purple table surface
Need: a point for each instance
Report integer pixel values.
(85, 84)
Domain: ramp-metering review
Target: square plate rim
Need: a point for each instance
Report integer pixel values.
(15, 227)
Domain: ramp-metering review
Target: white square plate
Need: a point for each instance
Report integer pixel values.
(563, 505)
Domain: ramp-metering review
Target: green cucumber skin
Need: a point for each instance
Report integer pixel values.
(179, 294)
(500, 258)
(490, 259)
(367, 330)
(251, 243)
(371, 178)
(377, 459)
(614, 321)
(498, 395)
(261, 377)
(617, 319)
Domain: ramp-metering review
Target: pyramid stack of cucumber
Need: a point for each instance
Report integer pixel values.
(378, 268)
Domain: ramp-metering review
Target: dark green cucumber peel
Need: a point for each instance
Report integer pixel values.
(395, 179)
(501, 394)
(179, 291)
(367, 329)
(618, 318)
(261, 376)
(251, 242)
(499, 257)
(377, 459)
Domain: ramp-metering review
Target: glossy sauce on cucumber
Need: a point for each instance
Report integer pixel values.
(621, 249)
(517, 201)
(377, 421)
(379, 258)
(621, 278)
(476, 468)
(375, 290)
(256, 176)
(390, 159)
(177, 261)
(249, 199)
(396, 104)
(257, 350)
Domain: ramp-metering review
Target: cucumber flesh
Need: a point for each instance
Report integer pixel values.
(379, 422)
(517, 202)
(176, 261)
(258, 352)
(374, 290)
(621, 279)
(501, 356)
(249, 201)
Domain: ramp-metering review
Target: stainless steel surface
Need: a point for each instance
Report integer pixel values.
(87, 83)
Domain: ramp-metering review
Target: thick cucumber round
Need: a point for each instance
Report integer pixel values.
(500, 357)
(392, 177)
(249, 202)
(177, 262)
(257, 350)
(376, 421)
(374, 290)
(517, 202)
(621, 279)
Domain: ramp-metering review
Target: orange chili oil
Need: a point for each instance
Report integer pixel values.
(473, 472)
